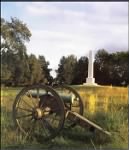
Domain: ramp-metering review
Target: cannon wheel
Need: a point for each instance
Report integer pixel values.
(42, 122)
(78, 108)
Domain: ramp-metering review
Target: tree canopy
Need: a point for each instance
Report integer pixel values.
(112, 68)
(66, 69)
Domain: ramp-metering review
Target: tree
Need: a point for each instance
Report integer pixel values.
(111, 68)
(119, 73)
(66, 69)
(81, 71)
(14, 34)
(35, 70)
(46, 77)
(101, 65)
(5, 74)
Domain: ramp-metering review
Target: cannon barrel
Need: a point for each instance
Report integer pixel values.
(65, 98)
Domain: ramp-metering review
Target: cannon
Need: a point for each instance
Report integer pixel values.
(43, 111)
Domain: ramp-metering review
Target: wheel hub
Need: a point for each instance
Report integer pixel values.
(40, 113)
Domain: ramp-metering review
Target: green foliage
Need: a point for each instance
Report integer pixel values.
(35, 69)
(5, 73)
(14, 35)
(115, 121)
(46, 77)
(17, 67)
(66, 69)
(81, 71)
(111, 68)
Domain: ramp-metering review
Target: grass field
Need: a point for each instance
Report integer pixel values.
(114, 118)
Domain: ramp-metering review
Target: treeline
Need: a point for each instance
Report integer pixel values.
(18, 68)
(109, 69)
(26, 71)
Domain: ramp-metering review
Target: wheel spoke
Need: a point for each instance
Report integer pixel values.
(31, 129)
(48, 126)
(24, 116)
(44, 127)
(52, 117)
(27, 104)
(28, 133)
(25, 109)
(32, 99)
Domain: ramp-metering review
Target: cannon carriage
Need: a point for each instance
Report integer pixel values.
(43, 111)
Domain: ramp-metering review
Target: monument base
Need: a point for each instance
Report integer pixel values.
(90, 82)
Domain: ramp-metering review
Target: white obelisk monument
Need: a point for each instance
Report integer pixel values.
(90, 80)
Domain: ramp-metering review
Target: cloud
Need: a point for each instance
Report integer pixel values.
(79, 42)
(40, 9)
(79, 13)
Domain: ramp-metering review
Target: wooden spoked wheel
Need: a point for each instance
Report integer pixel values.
(72, 101)
(39, 112)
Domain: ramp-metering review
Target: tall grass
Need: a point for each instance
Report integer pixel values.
(114, 119)
(100, 97)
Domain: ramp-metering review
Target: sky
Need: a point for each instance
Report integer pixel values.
(63, 28)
